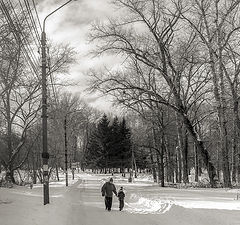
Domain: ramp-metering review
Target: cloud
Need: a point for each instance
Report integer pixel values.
(71, 24)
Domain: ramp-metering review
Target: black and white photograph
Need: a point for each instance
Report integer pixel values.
(119, 112)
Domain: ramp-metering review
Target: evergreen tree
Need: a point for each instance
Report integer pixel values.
(125, 142)
(103, 137)
(93, 157)
(109, 146)
(115, 143)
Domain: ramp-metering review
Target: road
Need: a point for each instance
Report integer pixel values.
(86, 207)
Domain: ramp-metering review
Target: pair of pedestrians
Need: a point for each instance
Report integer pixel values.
(107, 191)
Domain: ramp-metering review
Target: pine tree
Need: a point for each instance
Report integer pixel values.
(115, 143)
(125, 154)
(93, 157)
(109, 146)
(103, 136)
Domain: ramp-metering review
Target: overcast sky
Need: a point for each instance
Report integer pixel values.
(71, 24)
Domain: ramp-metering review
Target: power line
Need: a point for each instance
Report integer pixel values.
(32, 61)
(32, 20)
(22, 38)
(33, 58)
(39, 23)
(34, 39)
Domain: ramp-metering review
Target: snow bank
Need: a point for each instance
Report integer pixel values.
(161, 204)
(234, 205)
(149, 206)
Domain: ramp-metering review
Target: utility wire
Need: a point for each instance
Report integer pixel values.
(39, 23)
(16, 34)
(24, 39)
(50, 73)
(25, 16)
(32, 20)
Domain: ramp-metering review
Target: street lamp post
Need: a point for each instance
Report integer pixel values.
(45, 154)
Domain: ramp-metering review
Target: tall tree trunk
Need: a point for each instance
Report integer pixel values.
(176, 167)
(153, 166)
(236, 136)
(158, 145)
(183, 150)
(196, 163)
(158, 167)
(238, 168)
(10, 172)
(135, 166)
(179, 165)
(162, 170)
(170, 164)
(220, 97)
(202, 151)
(185, 157)
(218, 163)
(225, 150)
(34, 169)
(163, 150)
(168, 168)
(234, 159)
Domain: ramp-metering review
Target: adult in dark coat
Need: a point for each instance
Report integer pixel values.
(107, 190)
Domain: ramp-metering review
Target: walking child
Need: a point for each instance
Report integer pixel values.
(121, 196)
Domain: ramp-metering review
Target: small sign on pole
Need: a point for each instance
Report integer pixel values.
(45, 167)
(74, 165)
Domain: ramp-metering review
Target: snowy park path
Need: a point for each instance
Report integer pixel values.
(87, 207)
(146, 204)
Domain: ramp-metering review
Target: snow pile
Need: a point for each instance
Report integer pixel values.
(234, 205)
(148, 206)
(158, 204)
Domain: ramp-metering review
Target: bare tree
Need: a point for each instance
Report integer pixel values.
(150, 37)
(20, 83)
(214, 23)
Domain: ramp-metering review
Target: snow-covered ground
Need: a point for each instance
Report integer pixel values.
(146, 197)
(24, 206)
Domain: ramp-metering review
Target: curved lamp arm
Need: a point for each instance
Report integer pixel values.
(44, 21)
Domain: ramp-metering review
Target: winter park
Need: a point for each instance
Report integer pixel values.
(119, 112)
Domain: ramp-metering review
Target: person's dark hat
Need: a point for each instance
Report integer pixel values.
(121, 188)
(111, 180)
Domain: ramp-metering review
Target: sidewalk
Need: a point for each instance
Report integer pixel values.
(24, 206)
